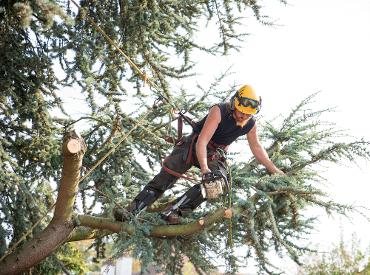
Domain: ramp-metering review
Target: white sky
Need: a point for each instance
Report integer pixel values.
(320, 45)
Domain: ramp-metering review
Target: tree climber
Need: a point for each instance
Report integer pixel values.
(205, 148)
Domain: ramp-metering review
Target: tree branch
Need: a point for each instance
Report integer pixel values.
(73, 150)
(158, 231)
(61, 226)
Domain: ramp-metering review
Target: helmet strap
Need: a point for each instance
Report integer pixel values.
(232, 101)
(260, 106)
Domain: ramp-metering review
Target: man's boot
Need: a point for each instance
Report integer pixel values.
(172, 219)
(123, 214)
(170, 215)
(145, 198)
(183, 205)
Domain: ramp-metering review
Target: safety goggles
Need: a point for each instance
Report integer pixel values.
(248, 102)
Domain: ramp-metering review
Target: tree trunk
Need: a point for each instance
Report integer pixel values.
(61, 226)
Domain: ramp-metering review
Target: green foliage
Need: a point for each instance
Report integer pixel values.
(272, 205)
(67, 258)
(343, 259)
(168, 254)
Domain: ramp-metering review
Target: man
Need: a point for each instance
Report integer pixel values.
(224, 123)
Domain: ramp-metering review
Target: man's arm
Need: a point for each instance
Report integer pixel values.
(209, 128)
(260, 153)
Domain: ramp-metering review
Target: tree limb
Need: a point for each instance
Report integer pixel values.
(158, 231)
(61, 225)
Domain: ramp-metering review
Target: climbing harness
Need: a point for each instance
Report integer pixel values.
(215, 152)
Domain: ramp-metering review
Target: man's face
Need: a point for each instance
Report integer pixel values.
(241, 118)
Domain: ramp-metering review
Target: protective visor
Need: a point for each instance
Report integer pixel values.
(248, 102)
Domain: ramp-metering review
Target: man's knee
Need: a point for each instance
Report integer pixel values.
(162, 181)
(145, 198)
(166, 178)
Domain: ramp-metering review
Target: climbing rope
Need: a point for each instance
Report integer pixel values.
(230, 197)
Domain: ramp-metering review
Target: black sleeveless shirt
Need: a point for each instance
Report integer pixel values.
(227, 131)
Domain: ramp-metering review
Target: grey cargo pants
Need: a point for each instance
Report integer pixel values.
(176, 161)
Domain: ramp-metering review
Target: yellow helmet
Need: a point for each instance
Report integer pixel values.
(246, 100)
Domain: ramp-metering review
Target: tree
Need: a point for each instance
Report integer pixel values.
(343, 259)
(100, 168)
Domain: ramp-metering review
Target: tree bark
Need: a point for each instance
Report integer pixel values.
(61, 226)
(106, 225)
(73, 150)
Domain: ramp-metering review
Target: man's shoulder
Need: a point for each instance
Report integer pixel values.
(224, 107)
(250, 124)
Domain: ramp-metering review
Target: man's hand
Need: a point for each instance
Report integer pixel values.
(278, 171)
(205, 170)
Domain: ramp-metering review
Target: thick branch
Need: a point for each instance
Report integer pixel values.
(61, 226)
(73, 151)
(37, 249)
(157, 231)
(85, 233)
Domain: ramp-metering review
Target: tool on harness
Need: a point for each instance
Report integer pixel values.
(217, 151)
(214, 184)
